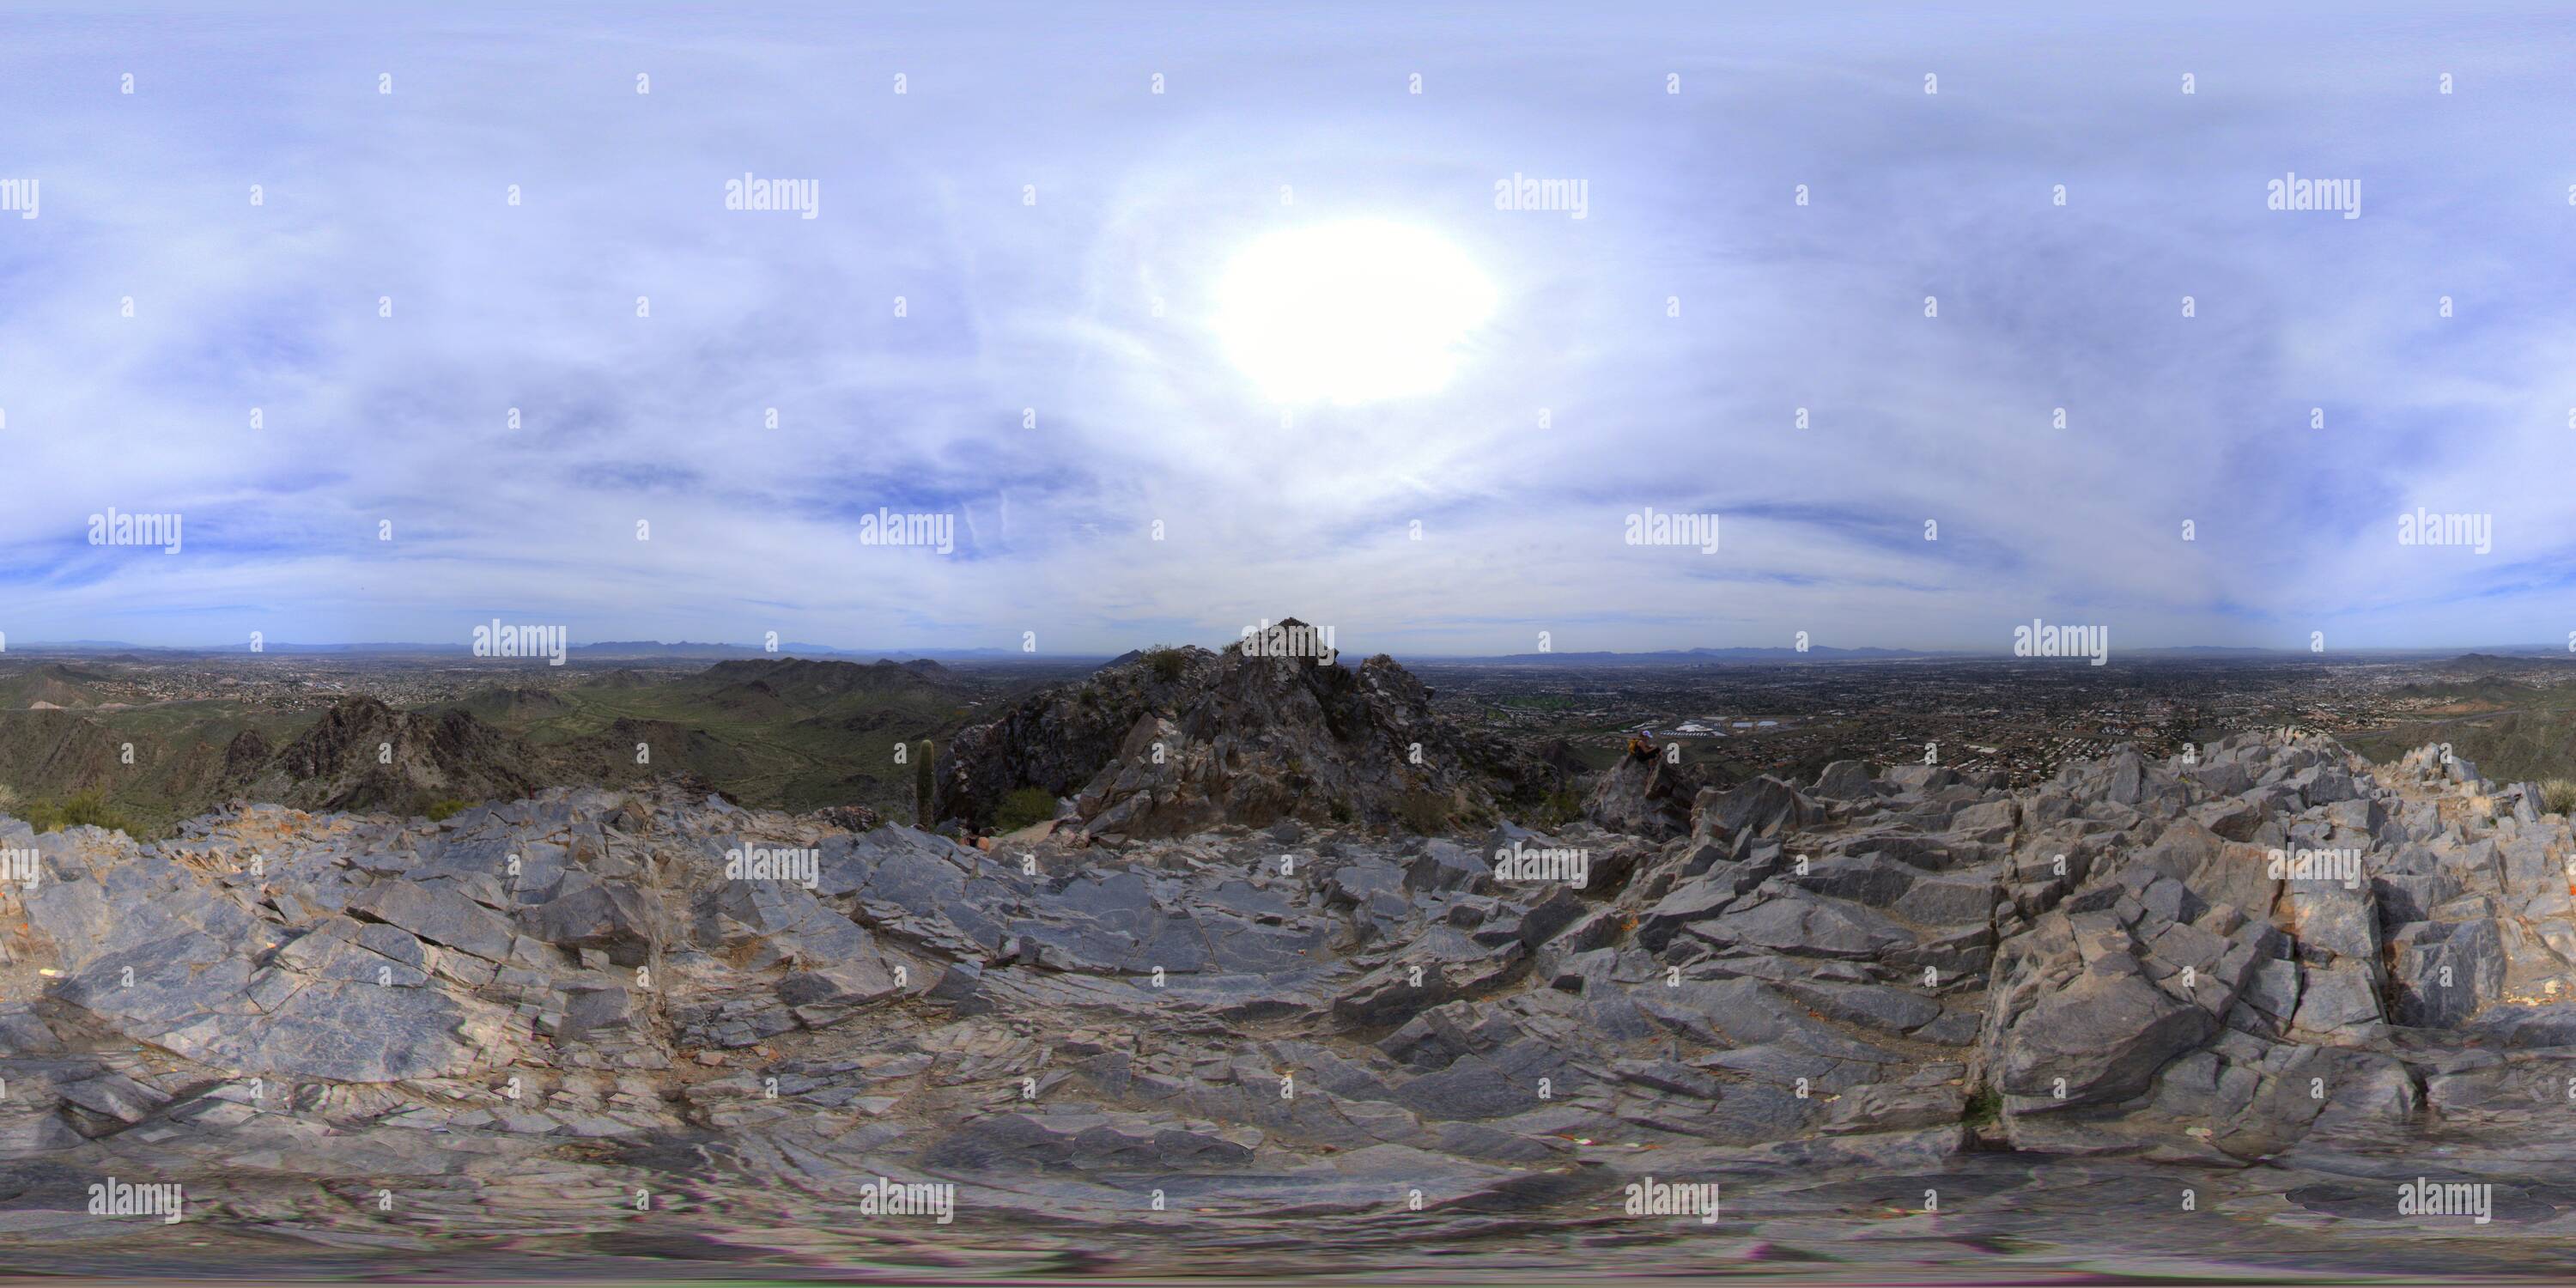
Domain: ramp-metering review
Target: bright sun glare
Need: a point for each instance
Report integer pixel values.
(1350, 312)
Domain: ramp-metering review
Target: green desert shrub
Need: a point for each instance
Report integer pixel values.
(82, 809)
(1168, 663)
(440, 811)
(1985, 1105)
(90, 809)
(2558, 796)
(1561, 807)
(1423, 813)
(1023, 807)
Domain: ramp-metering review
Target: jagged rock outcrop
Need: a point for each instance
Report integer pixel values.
(244, 755)
(1058, 741)
(1648, 796)
(1174, 741)
(855, 818)
(363, 754)
(2266, 951)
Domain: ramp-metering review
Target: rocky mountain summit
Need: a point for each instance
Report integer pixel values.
(1174, 741)
(363, 754)
(2268, 973)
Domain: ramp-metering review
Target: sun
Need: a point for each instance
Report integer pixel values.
(1350, 312)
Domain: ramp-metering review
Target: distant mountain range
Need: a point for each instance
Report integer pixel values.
(1678, 656)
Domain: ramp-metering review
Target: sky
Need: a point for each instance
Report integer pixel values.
(491, 344)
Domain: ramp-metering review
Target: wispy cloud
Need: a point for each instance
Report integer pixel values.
(1054, 230)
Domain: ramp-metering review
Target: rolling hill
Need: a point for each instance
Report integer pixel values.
(795, 734)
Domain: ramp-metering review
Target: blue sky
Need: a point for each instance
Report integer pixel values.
(1580, 400)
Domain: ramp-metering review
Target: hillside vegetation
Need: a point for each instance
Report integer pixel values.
(790, 734)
